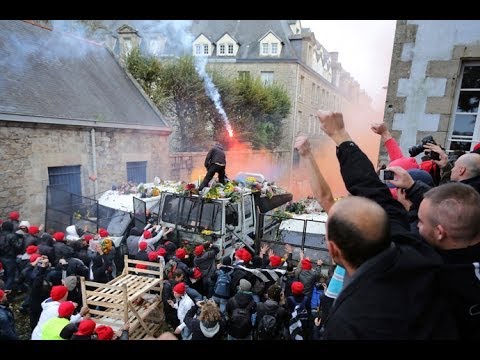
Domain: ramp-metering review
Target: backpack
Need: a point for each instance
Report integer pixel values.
(222, 285)
(268, 328)
(170, 268)
(240, 322)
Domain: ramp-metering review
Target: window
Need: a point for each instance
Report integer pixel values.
(312, 94)
(267, 77)
(205, 49)
(264, 48)
(66, 177)
(198, 49)
(302, 85)
(317, 95)
(222, 49)
(311, 125)
(155, 46)
(274, 48)
(243, 75)
(465, 122)
(230, 49)
(137, 171)
(127, 44)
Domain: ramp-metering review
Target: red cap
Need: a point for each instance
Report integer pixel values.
(275, 260)
(197, 274)
(142, 245)
(306, 264)
(31, 249)
(66, 309)
(34, 257)
(14, 215)
(59, 236)
(161, 252)
(199, 250)
(86, 327)
(2, 294)
(104, 332)
(141, 266)
(297, 288)
(152, 256)
(180, 288)
(243, 255)
(33, 230)
(1, 266)
(102, 232)
(88, 237)
(58, 292)
(147, 234)
(476, 147)
(180, 253)
(405, 163)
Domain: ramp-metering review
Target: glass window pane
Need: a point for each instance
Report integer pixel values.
(468, 101)
(471, 77)
(460, 145)
(464, 125)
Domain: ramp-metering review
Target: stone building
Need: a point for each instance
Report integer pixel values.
(70, 116)
(434, 85)
(280, 51)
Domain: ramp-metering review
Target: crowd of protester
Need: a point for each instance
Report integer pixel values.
(406, 250)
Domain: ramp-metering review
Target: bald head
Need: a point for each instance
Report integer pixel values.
(359, 227)
(467, 166)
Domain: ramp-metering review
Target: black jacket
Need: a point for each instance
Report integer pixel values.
(215, 155)
(396, 294)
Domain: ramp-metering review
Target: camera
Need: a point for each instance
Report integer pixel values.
(386, 175)
(417, 149)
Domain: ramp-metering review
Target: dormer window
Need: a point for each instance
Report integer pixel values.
(202, 46)
(127, 43)
(227, 46)
(270, 45)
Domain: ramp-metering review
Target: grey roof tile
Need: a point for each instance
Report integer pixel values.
(51, 74)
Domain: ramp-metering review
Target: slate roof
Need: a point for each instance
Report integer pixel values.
(50, 76)
(247, 33)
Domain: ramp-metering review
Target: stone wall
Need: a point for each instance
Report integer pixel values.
(27, 151)
(424, 78)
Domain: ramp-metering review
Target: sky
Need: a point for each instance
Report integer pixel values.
(364, 49)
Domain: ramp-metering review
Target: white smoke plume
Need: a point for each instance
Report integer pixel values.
(55, 46)
(212, 91)
(179, 41)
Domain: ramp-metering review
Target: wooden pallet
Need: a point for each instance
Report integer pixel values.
(122, 300)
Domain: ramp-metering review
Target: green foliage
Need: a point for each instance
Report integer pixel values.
(254, 110)
(295, 207)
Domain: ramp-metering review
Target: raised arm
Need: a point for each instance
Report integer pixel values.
(319, 186)
(358, 172)
(394, 151)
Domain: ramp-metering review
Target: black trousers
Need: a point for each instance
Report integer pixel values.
(212, 169)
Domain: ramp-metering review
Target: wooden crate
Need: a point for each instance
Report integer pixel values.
(122, 300)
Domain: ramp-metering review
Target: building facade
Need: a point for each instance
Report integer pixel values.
(434, 84)
(70, 117)
(279, 51)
